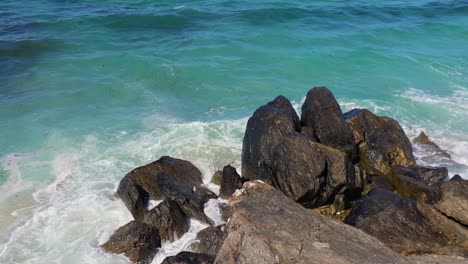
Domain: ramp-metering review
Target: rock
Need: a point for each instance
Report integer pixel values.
(423, 140)
(137, 240)
(225, 211)
(185, 257)
(452, 200)
(265, 129)
(323, 114)
(216, 178)
(406, 226)
(210, 240)
(267, 227)
(134, 198)
(436, 259)
(309, 172)
(169, 219)
(204, 193)
(381, 141)
(407, 182)
(230, 182)
(456, 177)
(430, 175)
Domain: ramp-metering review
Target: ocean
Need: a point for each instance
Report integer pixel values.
(91, 89)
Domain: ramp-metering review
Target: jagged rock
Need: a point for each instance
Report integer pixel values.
(204, 193)
(323, 115)
(169, 219)
(210, 240)
(382, 142)
(137, 240)
(185, 257)
(225, 211)
(456, 177)
(431, 175)
(309, 172)
(216, 178)
(406, 226)
(407, 183)
(423, 140)
(134, 198)
(452, 200)
(267, 227)
(265, 129)
(230, 182)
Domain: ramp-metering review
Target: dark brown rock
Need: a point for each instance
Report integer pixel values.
(382, 142)
(204, 193)
(423, 140)
(134, 198)
(323, 115)
(230, 182)
(169, 219)
(225, 211)
(406, 226)
(407, 183)
(452, 200)
(210, 240)
(185, 257)
(265, 129)
(216, 178)
(137, 240)
(267, 227)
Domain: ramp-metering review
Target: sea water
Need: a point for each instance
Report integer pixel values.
(91, 89)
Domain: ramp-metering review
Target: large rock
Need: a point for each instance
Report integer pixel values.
(408, 183)
(185, 257)
(169, 219)
(309, 172)
(134, 198)
(322, 114)
(230, 182)
(382, 142)
(265, 129)
(268, 227)
(452, 200)
(406, 226)
(138, 241)
(210, 239)
(423, 140)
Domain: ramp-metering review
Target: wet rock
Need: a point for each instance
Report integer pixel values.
(216, 178)
(423, 140)
(185, 257)
(225, 211)
(169, 219)
(204, 193)
(309, 172)
(268, 227)
(137, 240)
(323, 115)
(456, 177)
(452, 200)
(230, 182)
(210, 240)
(265, 129)
(407, 182)
(381, 141)
(134, 198)
(406, 226)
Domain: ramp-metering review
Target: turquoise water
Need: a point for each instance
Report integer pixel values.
(91, 89)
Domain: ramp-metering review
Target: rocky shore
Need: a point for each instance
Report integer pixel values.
(325, 187)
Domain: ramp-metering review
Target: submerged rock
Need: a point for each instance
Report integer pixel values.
(322, 114)
(265, 129)
(423, 140)
(230, 182)
(137, 240)
(452, 200)
(267, 227)
(185, 257)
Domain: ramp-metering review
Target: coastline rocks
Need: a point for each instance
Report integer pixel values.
(216, 178)
(134, 198)
(138, 241)
(407, 183)
(452, 200)
(406, 226)
(210, 240)
(265, 129)
(423, 140)
(169, 219)
(185, 257)
(268, 227)
(381, 141)
(230, 182)
(322, 114)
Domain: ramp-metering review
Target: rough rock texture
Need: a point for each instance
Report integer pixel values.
(408, 183)
(267, 227)
(226, 211)
(216, 178)
(204, 193)
(423, 140)
(210, 240)
(134, 198)
(309, 172)
(169, 219)
(452, 200)
(185, 257)
(265, 129)
(138, 241)
(431, 175)
(230, 182)
(406, 226)
(323, 115)
(436, 259)
(382, 142)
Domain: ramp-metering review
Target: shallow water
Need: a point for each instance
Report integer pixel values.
(91, 89)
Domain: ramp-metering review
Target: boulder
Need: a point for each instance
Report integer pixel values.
(381, 141)
(408, 183)
(137, 240)
(423, 140)
(210, 240)
(430, 175)
(322, 113)
(268, 227)
(407, 226)
(230, 182)
(204, 193)
(452, 200)
(309, 172)
(185, 257)
(216, 178)
(169, 219)
(134, 198)
(265, 129)
(456, 177)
